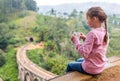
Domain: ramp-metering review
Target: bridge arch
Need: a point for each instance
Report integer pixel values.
(22, 74)
(27, 77)
(36, 79)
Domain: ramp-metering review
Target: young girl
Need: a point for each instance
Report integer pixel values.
(93, 50)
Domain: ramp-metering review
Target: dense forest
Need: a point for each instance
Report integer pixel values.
(19, 20)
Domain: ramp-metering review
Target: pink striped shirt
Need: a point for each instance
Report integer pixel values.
(93, 51)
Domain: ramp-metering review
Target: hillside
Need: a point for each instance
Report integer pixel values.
(19, 28)
(108, 7)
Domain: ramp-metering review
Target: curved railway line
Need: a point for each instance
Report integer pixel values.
(28, 71)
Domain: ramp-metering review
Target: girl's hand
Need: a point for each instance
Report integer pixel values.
(74, 37)
(82, 36)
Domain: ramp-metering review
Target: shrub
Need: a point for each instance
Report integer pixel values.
(2, 59)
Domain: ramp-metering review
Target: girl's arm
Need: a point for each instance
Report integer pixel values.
(85, 48)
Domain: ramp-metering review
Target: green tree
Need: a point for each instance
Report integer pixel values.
(2, 58)
(74, 13)
(4, 35)
(31, 5)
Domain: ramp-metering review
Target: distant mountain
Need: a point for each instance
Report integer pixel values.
(110, 8)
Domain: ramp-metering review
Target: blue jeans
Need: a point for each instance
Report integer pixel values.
(76, 66)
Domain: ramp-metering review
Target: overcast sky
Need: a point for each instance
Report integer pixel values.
(57, 2)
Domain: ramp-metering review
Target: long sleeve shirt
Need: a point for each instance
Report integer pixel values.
(93, 50)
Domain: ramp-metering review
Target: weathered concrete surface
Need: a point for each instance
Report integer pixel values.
(73, 76)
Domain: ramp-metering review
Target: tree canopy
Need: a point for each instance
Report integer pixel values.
(9, 6)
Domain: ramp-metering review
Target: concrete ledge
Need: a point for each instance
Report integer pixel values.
(73, 76)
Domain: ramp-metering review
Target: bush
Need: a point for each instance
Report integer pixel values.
(51, 45)
(2, 59)
(8, 79)
(22, 14)
(4, 35)
(57, 64)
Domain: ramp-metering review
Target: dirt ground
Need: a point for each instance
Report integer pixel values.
(110, 74)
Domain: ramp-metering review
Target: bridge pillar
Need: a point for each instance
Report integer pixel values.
(36, 79)
(21, 73)
(28, 77)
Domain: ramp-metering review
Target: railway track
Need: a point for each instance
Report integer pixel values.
(28, 71)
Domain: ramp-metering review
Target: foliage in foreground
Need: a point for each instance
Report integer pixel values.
(50, 61)
(9, 72)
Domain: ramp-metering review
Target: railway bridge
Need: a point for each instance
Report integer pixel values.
(28, 71)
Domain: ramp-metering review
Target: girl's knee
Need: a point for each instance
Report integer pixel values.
(68, 69)
(70, 64)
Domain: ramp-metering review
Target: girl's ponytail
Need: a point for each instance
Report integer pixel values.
(106, 34)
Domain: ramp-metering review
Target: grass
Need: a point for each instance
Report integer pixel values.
(27, 21)
(9, 72)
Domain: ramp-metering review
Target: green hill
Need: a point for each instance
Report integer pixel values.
(19, 29)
